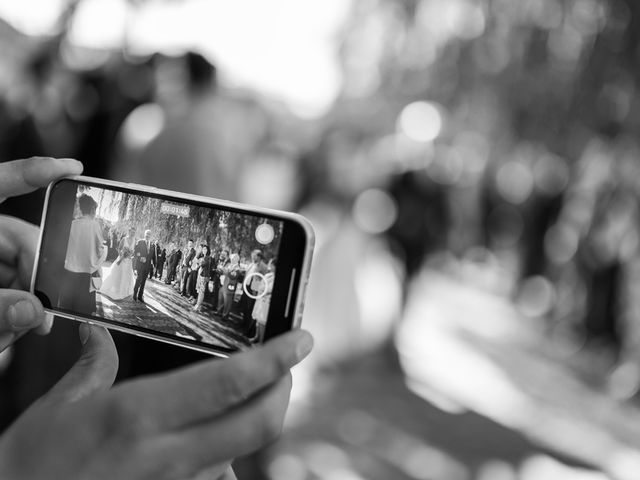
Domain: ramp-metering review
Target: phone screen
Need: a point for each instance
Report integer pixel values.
(181, 270)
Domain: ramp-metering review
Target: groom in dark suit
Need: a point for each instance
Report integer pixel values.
(142, 265)
(152, 259)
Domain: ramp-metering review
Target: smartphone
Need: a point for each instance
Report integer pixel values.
(201, 273)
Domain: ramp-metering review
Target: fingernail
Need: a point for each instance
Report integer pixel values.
(48, 320)
(72, 164)
(304, 346)
(21, 314)
(84, 332)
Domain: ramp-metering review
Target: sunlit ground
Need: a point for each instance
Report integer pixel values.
(477, 352)
(481, 393)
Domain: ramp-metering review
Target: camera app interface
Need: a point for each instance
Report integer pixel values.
(177, 269)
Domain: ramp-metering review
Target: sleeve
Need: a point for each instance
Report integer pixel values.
(98, 237)
(269, 285)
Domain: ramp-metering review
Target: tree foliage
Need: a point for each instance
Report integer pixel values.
(220, 229)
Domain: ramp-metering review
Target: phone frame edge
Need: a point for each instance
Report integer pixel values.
(304, 273)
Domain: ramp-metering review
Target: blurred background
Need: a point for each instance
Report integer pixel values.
(472, 170)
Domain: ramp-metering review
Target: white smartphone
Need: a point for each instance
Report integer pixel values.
(206, 274)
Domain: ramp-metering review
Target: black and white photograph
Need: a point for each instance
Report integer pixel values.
(189, 271)
(471, 171)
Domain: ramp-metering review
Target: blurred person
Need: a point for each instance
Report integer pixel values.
(98, 100)
(423, 219)
(191, 151)
(204, 272)
(331, 185)
(86, 251)
(120, 281)
(26, 118)
(601, 260)
(83, 428)
(142, 265)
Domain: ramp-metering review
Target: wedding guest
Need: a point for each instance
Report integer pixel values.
(261, 307)
(152, 259)
(193, 274)
(86, 251)
(223, 260)
(230, 273)
(187, 257)
(215, 278)
(178, 260)
(251, 284)
(162, 256)
(141, 264)
(172, 265)
(204, 273)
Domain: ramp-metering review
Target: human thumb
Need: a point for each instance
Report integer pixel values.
(19, 312)
(94, 371)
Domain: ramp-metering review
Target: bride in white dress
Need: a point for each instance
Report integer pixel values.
(119, 282)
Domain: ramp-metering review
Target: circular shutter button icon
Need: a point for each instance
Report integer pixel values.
(265, 234)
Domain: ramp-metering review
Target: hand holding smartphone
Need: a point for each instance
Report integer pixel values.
(206, 274)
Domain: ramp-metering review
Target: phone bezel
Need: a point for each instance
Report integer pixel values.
(297, 234)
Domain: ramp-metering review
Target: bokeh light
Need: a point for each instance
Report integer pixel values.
(421, 121)
(536, 297)
(142, 125)
(375, 211)
(515, 182)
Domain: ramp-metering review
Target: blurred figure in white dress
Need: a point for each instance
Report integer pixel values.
(119, 283)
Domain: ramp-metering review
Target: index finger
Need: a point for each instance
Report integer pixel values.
(18, 240)
(23, 176)
(203, 391)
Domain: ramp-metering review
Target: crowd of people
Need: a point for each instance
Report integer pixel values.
(200, 275)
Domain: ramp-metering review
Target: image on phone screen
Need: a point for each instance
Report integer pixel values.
(183, 270)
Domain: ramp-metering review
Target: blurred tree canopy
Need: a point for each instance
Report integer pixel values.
(548, 71)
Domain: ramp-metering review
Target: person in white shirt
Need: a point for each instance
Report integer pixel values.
(261, 307)
(86, 251)
(252, 276)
